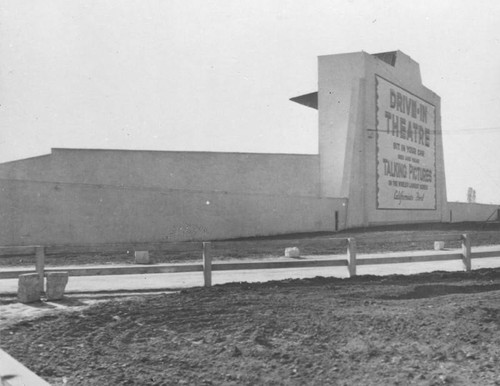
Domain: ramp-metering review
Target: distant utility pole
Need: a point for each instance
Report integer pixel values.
(471, 195)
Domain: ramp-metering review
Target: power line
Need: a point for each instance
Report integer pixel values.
(483, 130)
(474, 130)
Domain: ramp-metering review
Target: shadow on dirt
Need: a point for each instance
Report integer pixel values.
(433, 290)
(67, 302)
(45, 304)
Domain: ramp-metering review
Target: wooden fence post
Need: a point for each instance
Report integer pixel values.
(351, 256)
(40, 266)
(466, 252)
(207, 264)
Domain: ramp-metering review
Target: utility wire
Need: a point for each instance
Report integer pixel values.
(475, 130)
(483, 130)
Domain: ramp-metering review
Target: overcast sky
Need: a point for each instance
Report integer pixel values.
(217, 75)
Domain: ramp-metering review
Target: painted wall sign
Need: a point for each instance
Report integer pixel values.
(405, 149)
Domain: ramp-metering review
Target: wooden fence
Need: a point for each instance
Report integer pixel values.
(207, 266)
(351, 261)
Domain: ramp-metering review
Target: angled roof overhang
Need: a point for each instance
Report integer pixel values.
(309, 100)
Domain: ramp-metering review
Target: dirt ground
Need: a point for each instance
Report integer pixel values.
(427, 329)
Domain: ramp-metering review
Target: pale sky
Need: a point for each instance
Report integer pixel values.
(217, 74)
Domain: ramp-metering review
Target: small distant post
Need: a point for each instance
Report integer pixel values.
(466, 252)
(40, 265)
(351, 256)
(207, 264)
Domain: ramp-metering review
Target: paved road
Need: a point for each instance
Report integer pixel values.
(116, 283)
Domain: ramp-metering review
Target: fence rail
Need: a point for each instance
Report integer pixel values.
(196, 246)
(351, 261)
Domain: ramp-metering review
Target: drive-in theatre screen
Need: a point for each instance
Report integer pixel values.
(406, 149)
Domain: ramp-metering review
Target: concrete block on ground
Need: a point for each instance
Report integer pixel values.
(438, 245)
(142, 257)
(55, 285)
(28, 290)
(292, 252)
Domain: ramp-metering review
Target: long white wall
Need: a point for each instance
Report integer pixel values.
(73, 213)
(287, 174)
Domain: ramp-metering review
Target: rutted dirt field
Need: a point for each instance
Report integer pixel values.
(427, 329)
